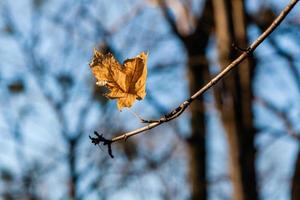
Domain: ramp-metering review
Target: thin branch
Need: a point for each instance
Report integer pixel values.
(291, 62)
(282, 115)
(181, 108)
(167, 14)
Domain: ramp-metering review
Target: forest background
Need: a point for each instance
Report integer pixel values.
(239, 141)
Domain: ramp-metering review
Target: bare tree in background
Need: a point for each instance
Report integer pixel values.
(284, 113)
(39, 67)
(51, 86)
(53, 53)
(234, 97)
(236, 105)
(195, 42)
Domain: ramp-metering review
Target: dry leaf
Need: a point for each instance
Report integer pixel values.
(126, 82)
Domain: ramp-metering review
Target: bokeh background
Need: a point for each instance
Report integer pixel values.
(240, 141)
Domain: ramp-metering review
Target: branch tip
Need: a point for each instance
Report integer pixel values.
(98, 139)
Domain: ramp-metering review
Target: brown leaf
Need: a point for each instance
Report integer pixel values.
(126, 82)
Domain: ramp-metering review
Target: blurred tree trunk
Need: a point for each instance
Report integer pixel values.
(196, 44)
(197, 141)
(234, 98)
(296, 179)
(73, 178)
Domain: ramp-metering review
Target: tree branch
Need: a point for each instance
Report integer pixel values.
(181, 108)
(282, 115)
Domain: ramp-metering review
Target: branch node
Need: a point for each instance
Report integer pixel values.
(236, 47)
(125, 137)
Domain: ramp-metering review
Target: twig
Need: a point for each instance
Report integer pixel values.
(181, 108)
(98, 139)
(282, 115)
(140, 118)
